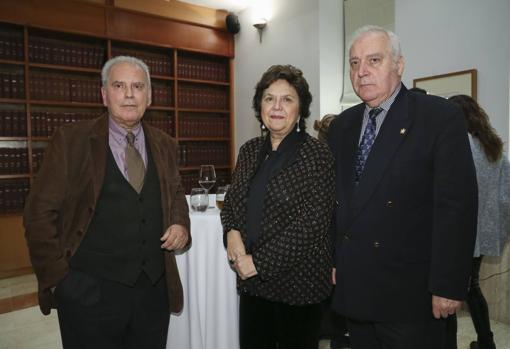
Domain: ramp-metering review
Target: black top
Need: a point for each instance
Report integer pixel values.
(270, 162)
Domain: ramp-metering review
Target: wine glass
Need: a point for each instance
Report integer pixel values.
(207, 177)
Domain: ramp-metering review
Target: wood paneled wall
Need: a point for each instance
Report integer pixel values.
(117, 23)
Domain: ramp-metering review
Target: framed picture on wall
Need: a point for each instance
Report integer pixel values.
(447, 85)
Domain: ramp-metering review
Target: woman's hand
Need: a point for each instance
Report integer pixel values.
(244, 266)
(235, 245)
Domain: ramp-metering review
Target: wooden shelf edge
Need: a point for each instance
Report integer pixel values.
(162, 77)
(206, 82)
(196, 110)
(11, 62)
(65, 104)
(12, 101)
(64, 67)
(15, 176)
(15, 272)
(15, 138)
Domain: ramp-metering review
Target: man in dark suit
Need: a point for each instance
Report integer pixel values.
(103, 216)
(406, 204)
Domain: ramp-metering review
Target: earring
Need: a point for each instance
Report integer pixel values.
(262, 126)
(297, 128)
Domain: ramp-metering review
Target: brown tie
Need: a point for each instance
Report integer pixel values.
(134, 164)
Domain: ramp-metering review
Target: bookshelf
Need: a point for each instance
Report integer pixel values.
(50, 60)
(49, 78)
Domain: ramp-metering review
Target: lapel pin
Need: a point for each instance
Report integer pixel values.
(402, 131)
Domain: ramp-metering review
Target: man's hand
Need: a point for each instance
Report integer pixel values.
(175, 237)
(244, 266)
(444, 307)
(235, 246)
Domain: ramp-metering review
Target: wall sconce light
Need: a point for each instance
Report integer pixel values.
(260, 25)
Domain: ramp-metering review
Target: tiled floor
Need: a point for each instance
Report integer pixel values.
(28, 329)
(466, 333)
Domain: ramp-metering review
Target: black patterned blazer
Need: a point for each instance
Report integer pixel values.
(293, 252)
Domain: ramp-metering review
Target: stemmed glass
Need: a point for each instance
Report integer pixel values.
(207, 177)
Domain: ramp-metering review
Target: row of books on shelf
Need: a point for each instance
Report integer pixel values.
(44, 123)
(13, 194)
(162, 95)
(163, 122)
(196, 68)
(204, 127)
(13, 123)
(60, 52)
(65, 88)
(12, 84)
(197, 153)
(159, 64)
(37, 158)
(11, 46)
(189, 180)
(13, 161)
(203, 97)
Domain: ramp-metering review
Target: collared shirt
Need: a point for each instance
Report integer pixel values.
(385, 105)
(117, 141)
(270, 162)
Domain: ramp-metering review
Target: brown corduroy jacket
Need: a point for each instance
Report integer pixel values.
(64, 194)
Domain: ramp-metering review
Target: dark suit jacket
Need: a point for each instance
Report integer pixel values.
(407, 230)
(293, 252)
(64, 194)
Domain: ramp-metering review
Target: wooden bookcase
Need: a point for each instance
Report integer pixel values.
(49, 77)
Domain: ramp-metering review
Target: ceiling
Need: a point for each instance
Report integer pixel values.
(229, 5)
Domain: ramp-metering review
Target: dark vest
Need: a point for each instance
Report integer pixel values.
(123, 237)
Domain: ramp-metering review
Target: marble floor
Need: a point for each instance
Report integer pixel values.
(27, 328)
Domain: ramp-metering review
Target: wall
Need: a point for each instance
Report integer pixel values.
(440, 36)
(445, 36)
(297, 35)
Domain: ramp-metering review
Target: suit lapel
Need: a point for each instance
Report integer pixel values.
(152, 141)
(394, 130)
(349, 140)
(98, 153)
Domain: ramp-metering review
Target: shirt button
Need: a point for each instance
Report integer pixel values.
(346, 237)
(376, 244)
(389, 204)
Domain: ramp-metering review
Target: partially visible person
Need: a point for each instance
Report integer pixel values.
(276, 218)
(333, 325)
(322, 127)
(104, 215)
(493, 229)
(407, 202)
(418, 90)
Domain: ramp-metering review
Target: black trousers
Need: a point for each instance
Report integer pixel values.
(272, 325)
(97, 313)
(383, 335)
(479, 313)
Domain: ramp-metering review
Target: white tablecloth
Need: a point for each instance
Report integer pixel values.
(209, 319)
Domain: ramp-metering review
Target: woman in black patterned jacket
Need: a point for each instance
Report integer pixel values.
(276, 219)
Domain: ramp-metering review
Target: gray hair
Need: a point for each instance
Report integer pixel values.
(396, 52)
(105, 72)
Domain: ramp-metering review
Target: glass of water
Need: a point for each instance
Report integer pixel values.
(199, 200)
